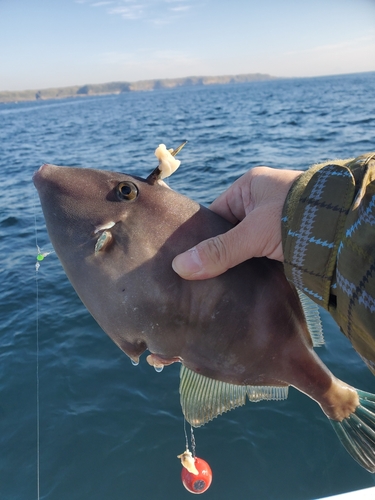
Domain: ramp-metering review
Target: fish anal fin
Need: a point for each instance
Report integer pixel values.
(203, 399)
(257, 393)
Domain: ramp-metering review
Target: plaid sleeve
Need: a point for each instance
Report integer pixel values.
(328, 232)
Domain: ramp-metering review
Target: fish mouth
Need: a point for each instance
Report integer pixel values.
(45, 176)
(40, 174)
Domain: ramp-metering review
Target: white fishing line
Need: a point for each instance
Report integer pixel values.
(192, 439)
(37, 385)
(39, 257)
(186, 436)
(37, 265)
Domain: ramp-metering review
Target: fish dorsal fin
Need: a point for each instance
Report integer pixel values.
(203, 399)
(313, 320)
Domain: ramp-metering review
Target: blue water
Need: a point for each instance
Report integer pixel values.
(109, 429)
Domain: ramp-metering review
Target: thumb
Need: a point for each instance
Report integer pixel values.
(211, 257)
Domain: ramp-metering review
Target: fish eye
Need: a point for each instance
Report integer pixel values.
(126, 191)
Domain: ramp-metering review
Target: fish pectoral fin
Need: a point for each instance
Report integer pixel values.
(357, 432)
(202, 398)
(314, 323)
(103, 242)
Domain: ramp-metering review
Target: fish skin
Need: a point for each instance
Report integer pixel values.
(245, 327)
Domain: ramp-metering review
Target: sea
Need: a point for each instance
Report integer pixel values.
(77, 420)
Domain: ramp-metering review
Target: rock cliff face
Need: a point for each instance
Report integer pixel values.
(120, 87)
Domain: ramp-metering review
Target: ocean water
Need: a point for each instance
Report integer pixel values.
(108, 429)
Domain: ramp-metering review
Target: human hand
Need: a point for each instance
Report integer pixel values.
(254, 202)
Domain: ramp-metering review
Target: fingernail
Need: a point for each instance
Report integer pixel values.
(187, 263)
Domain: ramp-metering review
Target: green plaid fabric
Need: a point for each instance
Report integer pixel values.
(328, 232)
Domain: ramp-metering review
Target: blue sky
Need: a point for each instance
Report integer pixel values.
(53, 43)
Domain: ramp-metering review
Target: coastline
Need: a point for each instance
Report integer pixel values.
(123, 87)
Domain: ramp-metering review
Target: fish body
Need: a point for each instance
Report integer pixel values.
(223, 328)
(241, 333)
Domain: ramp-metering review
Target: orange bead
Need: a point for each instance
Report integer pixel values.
(197, 483)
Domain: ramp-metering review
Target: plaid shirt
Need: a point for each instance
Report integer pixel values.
(328, 232)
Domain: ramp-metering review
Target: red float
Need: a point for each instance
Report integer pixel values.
(197, 483)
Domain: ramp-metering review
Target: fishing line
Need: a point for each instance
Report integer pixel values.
(192, 439)
(39, 258)
(186, 436)
(37, 265)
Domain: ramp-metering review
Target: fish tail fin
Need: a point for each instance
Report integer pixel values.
(357, 432)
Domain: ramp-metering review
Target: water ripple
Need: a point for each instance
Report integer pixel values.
(112, 430)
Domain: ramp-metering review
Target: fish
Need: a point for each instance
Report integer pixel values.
(247, 334)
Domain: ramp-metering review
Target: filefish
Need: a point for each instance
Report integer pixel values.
(246, 334)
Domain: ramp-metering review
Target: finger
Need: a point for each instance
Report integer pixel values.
(230, 204)
(214, 256)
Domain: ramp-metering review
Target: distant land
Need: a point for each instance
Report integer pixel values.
(122, 87)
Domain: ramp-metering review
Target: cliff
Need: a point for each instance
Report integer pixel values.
(120, 87)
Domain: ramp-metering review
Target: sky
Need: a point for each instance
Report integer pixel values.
(57, 43)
